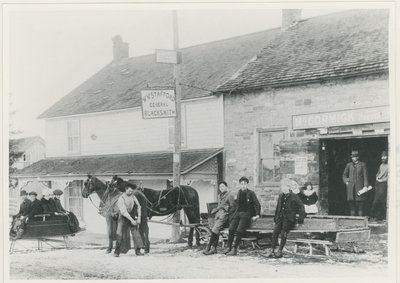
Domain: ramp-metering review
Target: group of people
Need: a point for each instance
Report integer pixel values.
(238, 211)
(241, 209)
(355, 177)
(49, 204)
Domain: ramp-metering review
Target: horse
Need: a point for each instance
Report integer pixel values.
(108, 197)
(168, 201)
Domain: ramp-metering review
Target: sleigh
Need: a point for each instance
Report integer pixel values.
(45, 227)
(324, 230)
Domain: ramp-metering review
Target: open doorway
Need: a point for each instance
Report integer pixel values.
(335, 154)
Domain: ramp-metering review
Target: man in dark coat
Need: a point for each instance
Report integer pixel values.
(248, 209)
(21, 215)
(356, 178)
(24, 206)
(289, 204)
(35, 208)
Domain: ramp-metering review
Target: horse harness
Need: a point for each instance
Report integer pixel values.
(178, 206)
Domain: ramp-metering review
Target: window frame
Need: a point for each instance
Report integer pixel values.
(259, 159)
(71, 135)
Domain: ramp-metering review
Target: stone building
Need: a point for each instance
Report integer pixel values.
(316, 91)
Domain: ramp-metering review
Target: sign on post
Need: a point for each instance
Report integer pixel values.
(168, 56)
(159, 103)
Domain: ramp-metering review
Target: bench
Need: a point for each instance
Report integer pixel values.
(310, 243)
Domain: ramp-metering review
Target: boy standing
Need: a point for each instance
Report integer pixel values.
(289, 204)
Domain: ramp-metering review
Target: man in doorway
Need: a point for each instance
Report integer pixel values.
(379, 203)
(248, 209)
(356, 178)
(125, 206)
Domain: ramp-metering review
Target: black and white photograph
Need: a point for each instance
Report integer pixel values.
(208, 141)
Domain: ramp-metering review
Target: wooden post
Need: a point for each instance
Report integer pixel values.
(176, 235)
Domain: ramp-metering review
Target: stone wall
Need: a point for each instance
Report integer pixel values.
(245, 114)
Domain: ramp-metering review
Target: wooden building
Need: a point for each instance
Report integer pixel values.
(98, 128)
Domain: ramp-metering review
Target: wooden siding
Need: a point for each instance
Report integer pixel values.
(126, 132)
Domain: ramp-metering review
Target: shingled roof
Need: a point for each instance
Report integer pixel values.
(339, 45)
(140, 163)
(118, 85)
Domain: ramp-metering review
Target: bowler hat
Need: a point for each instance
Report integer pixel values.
(354, 153)
(33, 193)
(58, 192)
(23, 193)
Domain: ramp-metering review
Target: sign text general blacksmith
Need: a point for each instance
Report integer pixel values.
(158, 104)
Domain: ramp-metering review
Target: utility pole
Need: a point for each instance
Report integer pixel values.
(176, 235)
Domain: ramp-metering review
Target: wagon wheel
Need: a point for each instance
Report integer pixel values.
(204, 231)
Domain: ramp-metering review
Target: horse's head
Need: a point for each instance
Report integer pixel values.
(119, 183)
(89, 186)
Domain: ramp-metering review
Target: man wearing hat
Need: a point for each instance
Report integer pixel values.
(355, 177)
(379, 203)
(21, 215)
(24, 206)
(35, 208)
(248, 209)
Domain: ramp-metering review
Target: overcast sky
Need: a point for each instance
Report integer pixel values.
(50, 50)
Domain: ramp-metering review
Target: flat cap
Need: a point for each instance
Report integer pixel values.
(58, 192)
(23, 193)
(33, 193)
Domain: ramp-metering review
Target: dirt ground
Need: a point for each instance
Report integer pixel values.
(88, 260)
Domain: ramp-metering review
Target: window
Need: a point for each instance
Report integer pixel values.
(171, 125)
(74, 137)
(269, 155)
(75, 201)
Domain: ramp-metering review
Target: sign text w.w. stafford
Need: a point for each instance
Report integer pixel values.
(158, 103)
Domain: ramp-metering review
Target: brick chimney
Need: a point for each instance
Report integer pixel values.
(290, 17)
(120, 48)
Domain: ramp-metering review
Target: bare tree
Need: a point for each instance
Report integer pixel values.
(14, 153)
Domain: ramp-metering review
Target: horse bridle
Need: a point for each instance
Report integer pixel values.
(90, 193)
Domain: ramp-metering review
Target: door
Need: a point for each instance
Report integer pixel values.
(335, 155)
